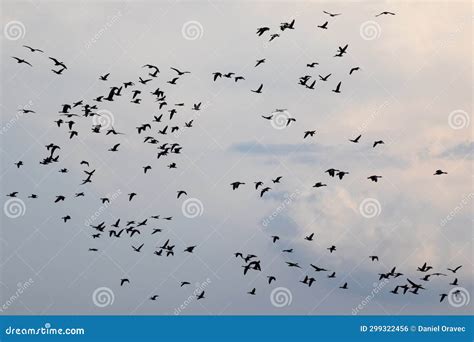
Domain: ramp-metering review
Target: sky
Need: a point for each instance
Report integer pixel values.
(413, 91)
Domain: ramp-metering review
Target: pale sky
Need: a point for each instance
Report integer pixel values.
(413, 91)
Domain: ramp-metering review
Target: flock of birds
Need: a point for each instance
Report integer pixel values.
(167, 122)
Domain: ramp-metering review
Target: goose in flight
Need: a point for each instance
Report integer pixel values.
(32, 49)
(260, 61)
(181, 193)
(20, 61)
(264, 190)
(341, 50)
(356, 140)
(258, 90)
(180, 73)
(235, 185)
(58, 63)
(384, 13)
(378, 142)
(455, 269)
(277, 180)
(324, 26)
(374, 178)
(332, 14)
(354, 69)
(325, 78)
(104, 77)
(262, 30)
(273, 36)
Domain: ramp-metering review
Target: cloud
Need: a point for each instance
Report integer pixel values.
(460, 151)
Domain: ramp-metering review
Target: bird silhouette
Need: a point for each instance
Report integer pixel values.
(324, 26)
(258, 90)
(353, 69)
(235, 185)
(180, 73)
(356, 140)
(260, 61)
(262, 30)
(374, 178)
(385, 13)
(181, 193)
(264, 190)
(32, 49)
(21, 61)
(378, 142)
(332, 14)
(454, 270)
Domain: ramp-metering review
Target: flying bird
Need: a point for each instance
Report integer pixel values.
(32, 49)
(356, 140)
(385, 13)
(258, 90)
(20, 61)
(378, 142)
